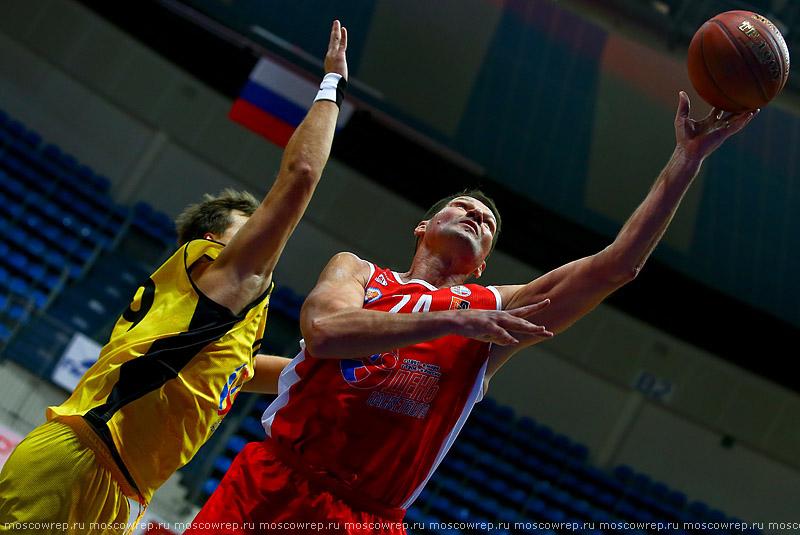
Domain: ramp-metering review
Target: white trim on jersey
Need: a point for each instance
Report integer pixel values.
(426, 284)
(475, 395)
(287, 378)
(372, 268)
(497, 296)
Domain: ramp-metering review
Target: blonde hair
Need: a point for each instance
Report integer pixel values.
(213, 214)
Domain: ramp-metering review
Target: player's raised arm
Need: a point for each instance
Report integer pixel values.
(335, 324)
(244, 268)
(577, 287)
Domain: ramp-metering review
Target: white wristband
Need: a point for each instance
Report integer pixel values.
(332, 88)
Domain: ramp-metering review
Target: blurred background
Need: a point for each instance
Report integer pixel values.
(674, 399)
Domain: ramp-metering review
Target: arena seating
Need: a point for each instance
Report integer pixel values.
(59, 224)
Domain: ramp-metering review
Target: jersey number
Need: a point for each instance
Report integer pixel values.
(145, 304)
(423, 304)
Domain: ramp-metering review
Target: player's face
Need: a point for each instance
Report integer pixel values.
(468, 219)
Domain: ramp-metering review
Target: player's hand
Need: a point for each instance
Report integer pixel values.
(336, 59)
(497, 326)
(702, 137)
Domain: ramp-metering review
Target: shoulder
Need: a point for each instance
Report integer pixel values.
(351, 262)
(346, 265)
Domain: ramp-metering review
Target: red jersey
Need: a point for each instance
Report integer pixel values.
(382, 424)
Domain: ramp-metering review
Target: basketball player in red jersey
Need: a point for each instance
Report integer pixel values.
(392, 363)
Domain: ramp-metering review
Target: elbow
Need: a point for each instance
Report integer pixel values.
(623, 274)
(618, 272)
(318, 340)
(303, 174)
(626, 273)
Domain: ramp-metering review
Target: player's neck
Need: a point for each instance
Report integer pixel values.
(437, 270)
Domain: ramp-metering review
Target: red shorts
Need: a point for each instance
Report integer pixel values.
(269, 490)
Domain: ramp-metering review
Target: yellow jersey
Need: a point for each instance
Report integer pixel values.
(169, 374)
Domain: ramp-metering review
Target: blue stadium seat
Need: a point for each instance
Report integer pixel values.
(17, 261)
(477, 477)
(15, 128)
(252, 426)
(32, 139)
(474, 433)
(415, 518)
(517, 497)
(68, 162)
(210, 485)
(448, 486)
(698, 509)
(536, 508)
(541, 486)
(659, 490)
(641, 482)
(554, 515)
(442, 507)
(424, 496)
(606, 499)
(489, 507)
(17, 285)
(222, 463)
(235, 443)
(579, 508)
(497, 487)
(526, 425)
(623, 473)
(543, 432)
(507, 515)
(5, 332)
(676, 498)
(579, 451)
(52, 152)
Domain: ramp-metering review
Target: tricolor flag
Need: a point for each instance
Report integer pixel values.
(275, 100)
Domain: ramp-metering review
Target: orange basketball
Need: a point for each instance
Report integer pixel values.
(738, 61)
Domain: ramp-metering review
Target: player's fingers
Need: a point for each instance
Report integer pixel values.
(736, 123)
(336, 34)
(343, 43)
(524, 312)
(520, 325)
(683, 106)
(502, 338)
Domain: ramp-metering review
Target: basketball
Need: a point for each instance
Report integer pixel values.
(738, 61)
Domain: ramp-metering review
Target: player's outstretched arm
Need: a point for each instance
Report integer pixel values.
(244, 268)
(577, 287)
(267, 370)
(335, 325)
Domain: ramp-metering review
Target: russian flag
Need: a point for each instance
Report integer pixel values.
(275, 100)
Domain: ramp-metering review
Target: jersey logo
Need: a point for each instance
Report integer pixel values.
(456, 303)
(372, 294)
(229, 392)
(461, 291)
(381, 279)
(368, 372)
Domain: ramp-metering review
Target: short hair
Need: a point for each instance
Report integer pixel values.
(213, 214)
(475, 194)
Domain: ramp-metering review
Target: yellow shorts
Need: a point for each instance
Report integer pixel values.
(54, 483)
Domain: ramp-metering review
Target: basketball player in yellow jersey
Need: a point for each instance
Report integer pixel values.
(178, 356)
